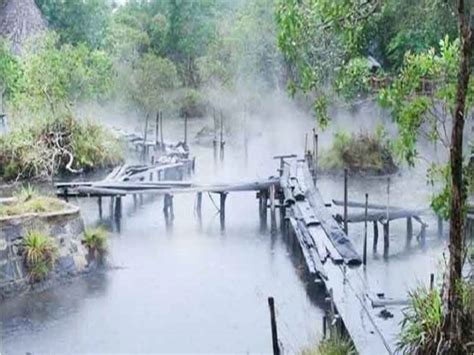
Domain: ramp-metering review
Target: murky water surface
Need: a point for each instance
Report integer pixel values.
(194, 289)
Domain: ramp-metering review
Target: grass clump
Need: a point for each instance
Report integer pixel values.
(422, 322)
(42, 148)
(28, 200)
(95, 240)
(39, 254)
(360, 153)
(334, 345)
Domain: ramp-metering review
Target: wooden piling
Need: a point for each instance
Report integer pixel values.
(409, 231)
(199, 205)
(99, 202)
(185, 128)
(324, 327)
(276, 346)
(364, 258)
(346, 230)
(315, 155)
(223, 196)
(145, 134)
(264, 208)
(161, 132)
(118, 207)
(272, 210)
(440, 227)
(157, 126)
(423, 235)
(431, 281)
(386, 239)
(376, 236)
(222, 143)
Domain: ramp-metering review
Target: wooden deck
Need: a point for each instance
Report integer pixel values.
(331, 260)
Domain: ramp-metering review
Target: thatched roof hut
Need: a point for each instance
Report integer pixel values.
(19, 20)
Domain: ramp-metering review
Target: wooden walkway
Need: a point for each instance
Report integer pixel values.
(368, 316)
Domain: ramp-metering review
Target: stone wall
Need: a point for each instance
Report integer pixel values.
(66, 227)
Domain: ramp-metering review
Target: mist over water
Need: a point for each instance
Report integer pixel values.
(195, 289)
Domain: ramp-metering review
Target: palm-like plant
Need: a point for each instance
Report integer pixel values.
(39, 254)
(95, 240)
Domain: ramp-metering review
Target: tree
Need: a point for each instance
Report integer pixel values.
(78, 21)
(452, 327)
(152, 82)
(56, 77)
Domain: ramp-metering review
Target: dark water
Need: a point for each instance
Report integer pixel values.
(194, 289)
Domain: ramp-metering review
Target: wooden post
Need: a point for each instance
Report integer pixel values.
(214, 142)
(185, 128)
(386, 240)
(305, 144)
(199, 205)
(409, 231)
(264, 208)
(324, 326)
(272, 210)
(365, 229)
(118, 207)
(376, 236)
(161, 131)
(222, 143)
(431, 281)
(135, 202)
(315, 155)
(276, 346)
(99, 202)
(145, 134)
(423, 235)
(223, 196)
(440, 227)
(111, 207)
(346, 230)
(157, 127)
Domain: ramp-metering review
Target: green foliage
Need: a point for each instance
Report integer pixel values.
(353, 79)
(39, 254)
(91, 145)
(10, 71)
(78, 22)
(422, 320)
(95, 240)
(334, 345)
(152, 82)
(192, 104)
(361, 153)
(56, 77)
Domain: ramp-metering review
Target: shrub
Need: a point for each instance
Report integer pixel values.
(41, 149)
(39, 254)
(421, 325)
(95, 240)
(192, 104)
(361, 152)
(334, 345)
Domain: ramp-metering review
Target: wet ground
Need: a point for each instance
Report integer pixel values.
(194, 289)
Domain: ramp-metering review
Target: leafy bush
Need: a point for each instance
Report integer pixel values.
(335, 345)
(41, 149)
(95, 240)
(192, 104)
(359, 153)
(39, 254)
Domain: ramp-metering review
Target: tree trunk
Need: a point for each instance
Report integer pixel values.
(452, 342)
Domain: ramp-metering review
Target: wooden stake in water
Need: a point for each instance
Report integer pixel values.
(346, 230)
(222, 143)
(161, 131)
(364, 260)
(276, 346)
(157, 128)
(386, 230)
(185, 128)
(145, 134)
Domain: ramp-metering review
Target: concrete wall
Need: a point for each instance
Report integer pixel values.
(66, 227)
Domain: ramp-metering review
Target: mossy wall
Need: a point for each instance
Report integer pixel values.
(65, 227)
